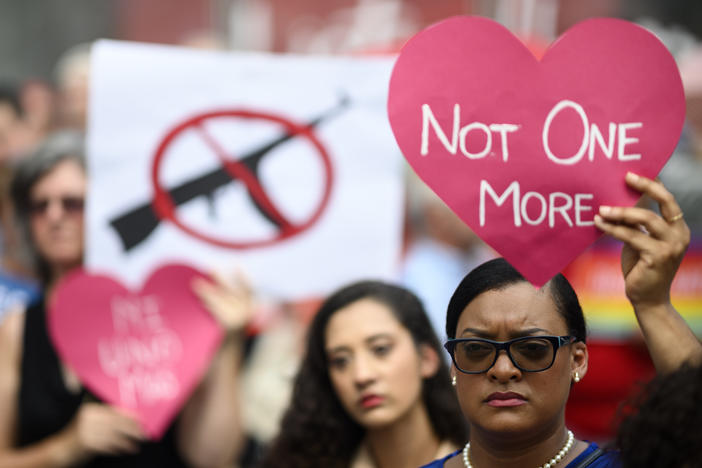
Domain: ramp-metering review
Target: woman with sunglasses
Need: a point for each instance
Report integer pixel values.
(372, 390)
(46, 418)
(517, 350)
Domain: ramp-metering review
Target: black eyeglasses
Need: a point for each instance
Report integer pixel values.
(70, 205)
(527, 353)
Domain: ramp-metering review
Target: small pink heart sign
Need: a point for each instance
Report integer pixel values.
(525, 151)
(143, 351)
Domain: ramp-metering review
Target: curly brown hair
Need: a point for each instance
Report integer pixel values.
(661, 426)
(316, 431)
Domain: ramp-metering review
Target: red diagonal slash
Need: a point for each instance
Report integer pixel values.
(165, 208)
(241, 172)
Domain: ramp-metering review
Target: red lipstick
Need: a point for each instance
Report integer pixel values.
(371, 401)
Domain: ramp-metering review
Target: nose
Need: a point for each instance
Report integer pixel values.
(504, 369)
(54, 210)
(364, 371)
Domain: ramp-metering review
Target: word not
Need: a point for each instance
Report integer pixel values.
(459, 134)
(556, 203)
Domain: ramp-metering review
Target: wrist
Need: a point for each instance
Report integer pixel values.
(66, 448)
(653, 307)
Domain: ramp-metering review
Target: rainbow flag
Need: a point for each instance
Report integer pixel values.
(596, 277)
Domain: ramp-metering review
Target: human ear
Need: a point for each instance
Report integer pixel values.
(429, 361)
(578, 360)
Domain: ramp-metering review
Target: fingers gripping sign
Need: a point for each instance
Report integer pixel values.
(230, 302)
(651, 255)
(101, 429)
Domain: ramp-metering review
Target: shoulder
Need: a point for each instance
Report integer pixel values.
(606, 459)
(440, 462)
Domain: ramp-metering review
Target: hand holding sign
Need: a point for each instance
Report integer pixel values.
(100, 429)
(231, 303)
(654, 246)
(525, 151)
(141, 351)
(649, 259)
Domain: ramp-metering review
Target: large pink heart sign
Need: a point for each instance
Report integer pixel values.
(525, 151)
(140, 350)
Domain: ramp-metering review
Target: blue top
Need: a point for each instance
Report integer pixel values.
(606, 460)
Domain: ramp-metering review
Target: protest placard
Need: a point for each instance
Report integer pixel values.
(283, 166)
(525, 151)
(143, 350)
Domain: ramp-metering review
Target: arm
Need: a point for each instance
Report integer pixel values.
(210, 431)
(96, 429)
(649, 262)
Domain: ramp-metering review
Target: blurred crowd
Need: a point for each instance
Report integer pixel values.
(38, 117)
(29, 112)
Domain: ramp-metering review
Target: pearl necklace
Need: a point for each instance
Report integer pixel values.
(552, 462)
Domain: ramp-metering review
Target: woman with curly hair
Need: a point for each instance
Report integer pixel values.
(372, 390)
(662, 428)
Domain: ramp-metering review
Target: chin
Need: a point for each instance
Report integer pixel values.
(379, 420)
(66, 261)
(507, 423)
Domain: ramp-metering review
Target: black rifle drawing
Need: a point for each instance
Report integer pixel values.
(135, 225)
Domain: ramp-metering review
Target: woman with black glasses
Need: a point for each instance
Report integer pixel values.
(517, 350)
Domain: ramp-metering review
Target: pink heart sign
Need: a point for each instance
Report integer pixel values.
(525, 151)
(143, 351)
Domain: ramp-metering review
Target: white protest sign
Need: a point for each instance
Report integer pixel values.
(284, 166)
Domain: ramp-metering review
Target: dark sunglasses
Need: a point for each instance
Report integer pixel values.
(69, 204)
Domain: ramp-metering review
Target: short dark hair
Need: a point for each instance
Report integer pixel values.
(316, 431)
(497, 274)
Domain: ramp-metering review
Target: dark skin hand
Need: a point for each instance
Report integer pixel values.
(654, 246)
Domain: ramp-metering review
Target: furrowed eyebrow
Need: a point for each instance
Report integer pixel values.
(517, 334)
(530, 331)
(477, 332)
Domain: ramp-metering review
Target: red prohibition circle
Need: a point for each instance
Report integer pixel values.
(165, 209)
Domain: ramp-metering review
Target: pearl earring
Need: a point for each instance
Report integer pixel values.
(453, 381)
(576, 377)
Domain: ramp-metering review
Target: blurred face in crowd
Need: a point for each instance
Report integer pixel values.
(9, 126)
(56, 215)
(375, 367)
(73, 95)
(505, 399)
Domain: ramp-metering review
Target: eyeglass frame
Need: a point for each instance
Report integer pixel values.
(556, 342)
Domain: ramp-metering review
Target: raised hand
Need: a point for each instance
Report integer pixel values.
(231, 303)
(654, 244)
